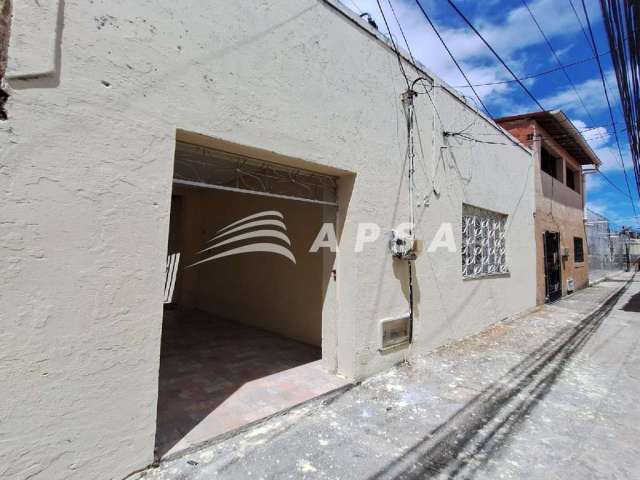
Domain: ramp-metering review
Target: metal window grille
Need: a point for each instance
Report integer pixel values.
(483, 243)
(202, 166)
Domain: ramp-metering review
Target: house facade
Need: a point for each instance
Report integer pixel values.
(560, 152)
(140, 136)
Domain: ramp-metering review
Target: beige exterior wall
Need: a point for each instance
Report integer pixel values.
(86, 169)
(559, 209)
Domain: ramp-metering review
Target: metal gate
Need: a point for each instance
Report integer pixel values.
(552, 269)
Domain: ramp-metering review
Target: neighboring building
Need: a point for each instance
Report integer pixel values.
(610, 247)
(560, 152)
(140, 132)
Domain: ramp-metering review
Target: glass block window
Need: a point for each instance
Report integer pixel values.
(483, 243)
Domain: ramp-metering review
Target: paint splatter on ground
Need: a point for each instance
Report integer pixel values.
(549, 395)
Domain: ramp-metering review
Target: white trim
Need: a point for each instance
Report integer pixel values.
(253, 192)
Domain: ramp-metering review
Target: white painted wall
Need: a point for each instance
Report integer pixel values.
(85, 178)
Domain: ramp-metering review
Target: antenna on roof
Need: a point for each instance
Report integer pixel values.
(370, 19)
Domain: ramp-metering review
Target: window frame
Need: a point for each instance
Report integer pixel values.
(483, 241)
(546, 155)
(575, 178)
(576, 250)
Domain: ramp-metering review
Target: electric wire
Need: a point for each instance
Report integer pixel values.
(621, 19)
(535, 100)
(606, 94)
(555, 55)
(395, 47)
(613, 184)
(453, 58)
(584, 31)
(488, 45)
(516, 79)
(538, 74)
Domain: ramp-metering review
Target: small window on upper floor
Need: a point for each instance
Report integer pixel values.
(550, 164)
(573, 179)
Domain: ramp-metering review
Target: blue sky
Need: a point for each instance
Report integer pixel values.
(508, 26)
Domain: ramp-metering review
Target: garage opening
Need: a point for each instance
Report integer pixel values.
(244, 297)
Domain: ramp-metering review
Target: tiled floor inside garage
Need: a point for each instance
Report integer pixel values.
(216, 376)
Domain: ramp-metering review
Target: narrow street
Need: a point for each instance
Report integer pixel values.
(549, 395)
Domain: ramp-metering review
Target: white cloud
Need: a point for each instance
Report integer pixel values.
(596, 137)
(590, 91)
(610, 158)
(509, 33)
(594, 183)
(598, 207)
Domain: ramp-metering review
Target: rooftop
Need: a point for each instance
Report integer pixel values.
(563, 131)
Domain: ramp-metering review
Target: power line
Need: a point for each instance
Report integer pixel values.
(406, 42)
(538, 74)
(613, 184)
(535, 100)
(620, 18)
(522, 85)
(395, 47)
(555, 55)
(453, 58)
(584, 31)
(516, 79)
(606, 94)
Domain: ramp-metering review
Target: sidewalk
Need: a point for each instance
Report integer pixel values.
(552, 394)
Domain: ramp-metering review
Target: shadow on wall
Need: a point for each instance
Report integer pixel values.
(469, 438)
(401, 272)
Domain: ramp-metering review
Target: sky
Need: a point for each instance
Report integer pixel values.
(510, 29)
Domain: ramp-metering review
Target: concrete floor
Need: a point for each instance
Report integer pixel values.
(217, 376)
(549, 395)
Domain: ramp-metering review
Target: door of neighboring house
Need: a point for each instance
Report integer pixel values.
(552, 271)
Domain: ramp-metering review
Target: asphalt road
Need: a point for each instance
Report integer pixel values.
(554, 394)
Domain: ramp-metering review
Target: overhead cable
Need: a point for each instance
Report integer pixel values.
(488, 45)
(606, 94)
(453, 58)
(555, 55)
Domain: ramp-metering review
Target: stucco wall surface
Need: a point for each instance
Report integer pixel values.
(85, 179)
(559, 209)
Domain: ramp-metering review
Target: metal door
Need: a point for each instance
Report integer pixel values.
(552, 269)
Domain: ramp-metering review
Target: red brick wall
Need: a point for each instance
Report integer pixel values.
(521, 129)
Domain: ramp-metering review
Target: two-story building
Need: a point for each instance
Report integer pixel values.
(559, 151)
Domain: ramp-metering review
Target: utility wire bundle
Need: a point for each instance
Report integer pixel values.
(622, 22)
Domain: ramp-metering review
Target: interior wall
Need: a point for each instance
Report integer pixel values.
(264, 290)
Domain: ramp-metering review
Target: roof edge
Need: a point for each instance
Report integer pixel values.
(565, 124)
(345, 11)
